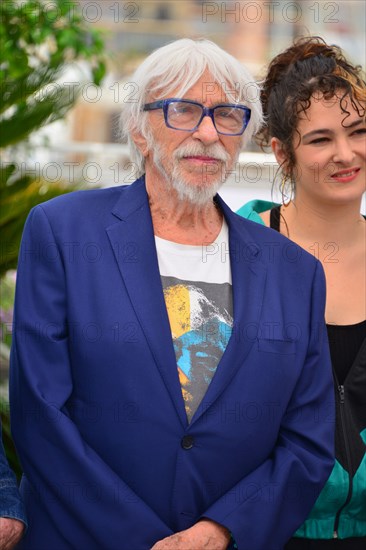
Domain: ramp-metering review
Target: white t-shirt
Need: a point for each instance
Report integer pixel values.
(198, 295)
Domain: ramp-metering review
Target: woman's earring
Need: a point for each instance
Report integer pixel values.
(285, 186)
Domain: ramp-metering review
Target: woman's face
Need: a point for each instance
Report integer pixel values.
(330, 152)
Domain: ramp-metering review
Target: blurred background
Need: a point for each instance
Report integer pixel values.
(252, 31)
(85, 146)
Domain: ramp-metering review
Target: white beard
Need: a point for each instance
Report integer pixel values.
(197, 194)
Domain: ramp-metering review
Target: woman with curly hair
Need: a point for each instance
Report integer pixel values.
(314, 103)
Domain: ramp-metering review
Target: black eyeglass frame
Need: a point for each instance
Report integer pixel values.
(206, 111)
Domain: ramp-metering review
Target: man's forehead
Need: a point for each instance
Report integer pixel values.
(206, 90)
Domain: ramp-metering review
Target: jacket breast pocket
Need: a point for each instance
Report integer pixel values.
(282, 347)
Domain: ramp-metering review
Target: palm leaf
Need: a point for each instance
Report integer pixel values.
(22, 122)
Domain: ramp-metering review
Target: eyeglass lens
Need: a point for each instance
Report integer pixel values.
(186, 116)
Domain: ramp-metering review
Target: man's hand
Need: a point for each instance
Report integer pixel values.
(204, 535)
(11, 531)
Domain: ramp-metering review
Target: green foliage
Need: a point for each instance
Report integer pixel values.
(7, 291)
(29, 105)
(7, 440)
(38, 39)
(17, 199)
(37, 34)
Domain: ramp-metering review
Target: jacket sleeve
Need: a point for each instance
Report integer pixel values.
(89, 499)
(11, 505)
(265, 508)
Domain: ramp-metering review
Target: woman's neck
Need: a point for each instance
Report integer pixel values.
(342, 223)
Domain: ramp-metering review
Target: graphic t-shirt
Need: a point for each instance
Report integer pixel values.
(198, 295)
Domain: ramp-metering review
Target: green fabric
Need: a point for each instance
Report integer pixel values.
(352, 523)
(252, 209)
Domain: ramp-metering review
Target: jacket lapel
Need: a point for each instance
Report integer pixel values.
(248, 283)
(132, 240)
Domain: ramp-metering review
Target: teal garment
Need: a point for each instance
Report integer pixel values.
(252, 209)
(352, 520)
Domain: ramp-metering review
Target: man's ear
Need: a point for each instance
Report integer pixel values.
(278, 151)
(141, 143)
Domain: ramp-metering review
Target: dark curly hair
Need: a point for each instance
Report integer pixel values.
(293, 77)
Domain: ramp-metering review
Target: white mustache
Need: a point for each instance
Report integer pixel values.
(215, 151)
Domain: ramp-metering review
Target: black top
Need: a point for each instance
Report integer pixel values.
(344, 343)
(275, 216)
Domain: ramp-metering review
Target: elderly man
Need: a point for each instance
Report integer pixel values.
(12, 514)
(170, 380)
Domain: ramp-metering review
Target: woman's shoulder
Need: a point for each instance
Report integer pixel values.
(265, 216)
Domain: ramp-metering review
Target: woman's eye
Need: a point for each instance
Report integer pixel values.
(359, 132)
(319, 140)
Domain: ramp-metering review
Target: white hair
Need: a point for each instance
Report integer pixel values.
(177, 67)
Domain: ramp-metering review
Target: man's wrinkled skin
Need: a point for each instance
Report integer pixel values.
(11, 531)
(205, 534)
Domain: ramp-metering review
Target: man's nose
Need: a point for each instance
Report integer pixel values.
(206, 131)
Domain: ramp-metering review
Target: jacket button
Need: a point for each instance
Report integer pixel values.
(187, 442)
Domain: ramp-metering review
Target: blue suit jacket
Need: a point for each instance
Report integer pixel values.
(97, 409)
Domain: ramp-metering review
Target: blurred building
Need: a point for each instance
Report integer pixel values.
(253, 31)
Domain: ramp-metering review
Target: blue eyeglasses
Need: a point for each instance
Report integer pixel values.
(183, 114)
